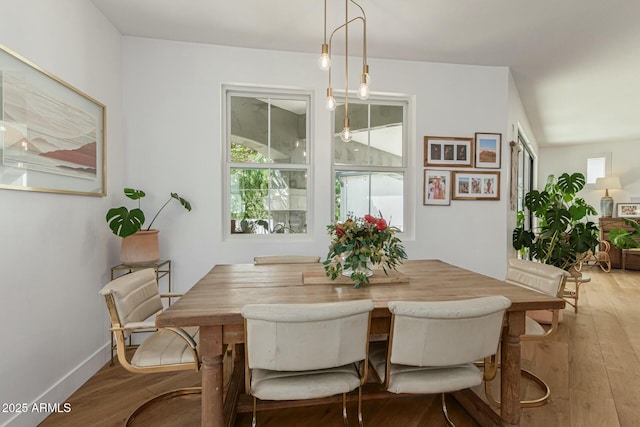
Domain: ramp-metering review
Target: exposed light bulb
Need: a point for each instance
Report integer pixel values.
(365, 80)
(330, 102)
(324, 62)
(363, 91)
(346, 134)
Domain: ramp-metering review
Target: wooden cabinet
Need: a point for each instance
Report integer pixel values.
(608, 224)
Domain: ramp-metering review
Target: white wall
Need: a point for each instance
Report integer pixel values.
(56, 249)
(573, 158)
(163, 134)
(172, 102)
(518, 122)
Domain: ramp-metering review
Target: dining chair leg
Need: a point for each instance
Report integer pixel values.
(360, 420)
(446, 413)
(523, 403)
(344, 410)
(253, 420)
(164, 396)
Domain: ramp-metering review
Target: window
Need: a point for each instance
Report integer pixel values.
(525, 178)
(596, 169)
(267, 160)
(371, 169)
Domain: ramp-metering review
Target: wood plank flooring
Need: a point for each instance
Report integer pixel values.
(592, 365)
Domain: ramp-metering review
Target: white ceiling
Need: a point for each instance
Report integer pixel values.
(576, 63)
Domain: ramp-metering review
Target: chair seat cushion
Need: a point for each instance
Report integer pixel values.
(423, 380)
(293, 385)
(533, 328)
(164, 347)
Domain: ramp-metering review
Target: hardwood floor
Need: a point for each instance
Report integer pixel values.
(592, 365)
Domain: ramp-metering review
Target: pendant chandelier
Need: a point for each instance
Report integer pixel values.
(324, 62)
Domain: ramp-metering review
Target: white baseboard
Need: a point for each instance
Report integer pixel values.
(45, 404)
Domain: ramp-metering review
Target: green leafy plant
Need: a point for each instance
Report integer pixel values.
(358, 243)
(252, 226)
(563, 233)
(124, 222)
(625, 239)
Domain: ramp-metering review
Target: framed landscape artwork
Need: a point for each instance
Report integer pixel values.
(51, 134)
(476, 185)
(437, 187)
(487, 149)
(446, 151)
(628, 210)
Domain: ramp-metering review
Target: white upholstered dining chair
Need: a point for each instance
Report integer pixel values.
(132, 301)
(549, 280)
(306, 351)
(432, 346)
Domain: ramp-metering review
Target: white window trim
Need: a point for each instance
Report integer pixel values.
(408, 167)
(229, 90)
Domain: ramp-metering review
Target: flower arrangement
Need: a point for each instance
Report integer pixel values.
(359, 243)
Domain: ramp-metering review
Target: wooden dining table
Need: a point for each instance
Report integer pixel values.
(214, 304)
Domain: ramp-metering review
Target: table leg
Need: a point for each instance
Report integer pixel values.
(510, 370)
(212, 384)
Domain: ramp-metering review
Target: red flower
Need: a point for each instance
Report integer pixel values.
(370, 219)
(381, 224)
(339, 231)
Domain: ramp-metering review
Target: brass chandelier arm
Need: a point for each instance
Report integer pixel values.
(325, 63)
(346, 57)
(364, 33)
(364, 45)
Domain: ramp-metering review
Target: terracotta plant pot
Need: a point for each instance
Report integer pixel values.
(140, 248)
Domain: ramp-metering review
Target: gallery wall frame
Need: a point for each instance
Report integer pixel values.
(437, 187)
(488, 150)
(52, 135)
(445, 151)
(475, 185)
(628, 210)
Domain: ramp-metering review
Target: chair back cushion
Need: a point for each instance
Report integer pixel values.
(544, 278)
(446, 333)
(135, 295)
(301, 337)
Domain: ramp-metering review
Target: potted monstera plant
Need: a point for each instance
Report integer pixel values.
(138, 246)
(626, 239)
(563, 233)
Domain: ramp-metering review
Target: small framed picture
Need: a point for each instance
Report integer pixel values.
(487, 149)
(444, 151)
(437, 187)
(476, 185)
(628, 210)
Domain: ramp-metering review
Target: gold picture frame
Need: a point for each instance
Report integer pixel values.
(488, 150)
(437, 187)
(52, 135)
(476, 185)
(445, 151)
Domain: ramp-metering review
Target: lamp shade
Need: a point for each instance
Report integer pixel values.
(608, 183)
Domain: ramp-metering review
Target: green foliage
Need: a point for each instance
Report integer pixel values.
(254, 184)
(124, 222)
(358, 242)
(625, 239)
(254, 187)
(251, 226)
(563, 232)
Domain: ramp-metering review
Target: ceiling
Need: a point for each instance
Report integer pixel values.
(576, 63)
